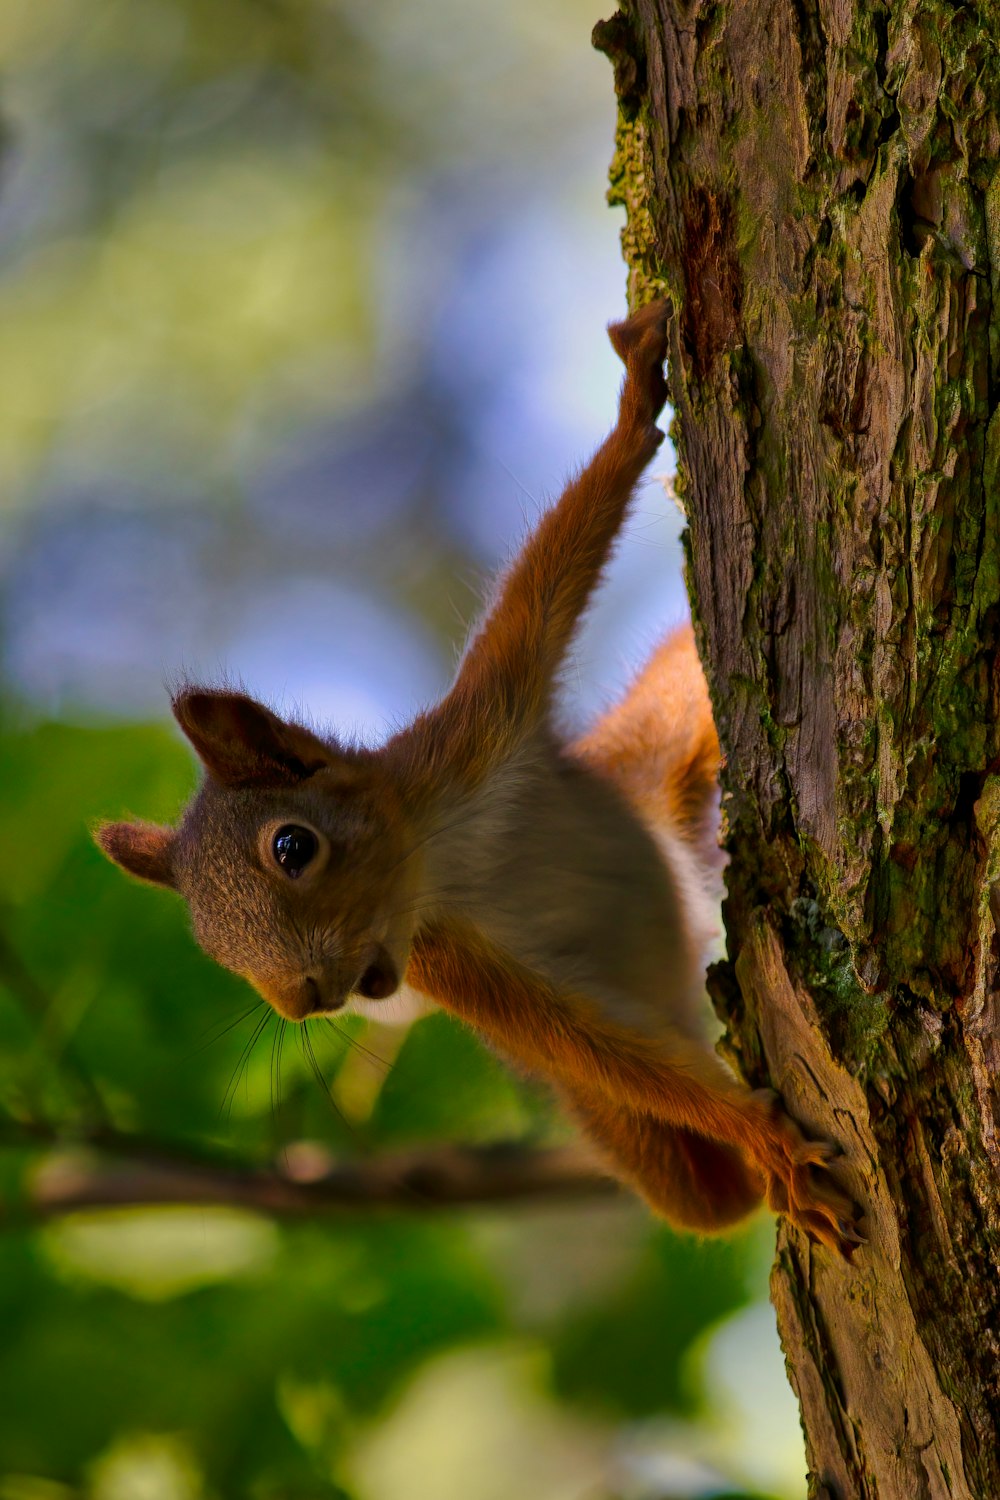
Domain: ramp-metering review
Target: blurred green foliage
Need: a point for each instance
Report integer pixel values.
(267, 1354)
(228, 227)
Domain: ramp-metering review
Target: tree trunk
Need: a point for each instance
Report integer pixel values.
(815, 187)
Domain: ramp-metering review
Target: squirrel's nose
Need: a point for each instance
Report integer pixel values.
(318, 999)
(304, 996)
(323, 989)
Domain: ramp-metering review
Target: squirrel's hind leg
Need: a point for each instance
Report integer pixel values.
(689, 1180)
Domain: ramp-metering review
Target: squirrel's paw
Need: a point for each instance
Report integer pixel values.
(641, 344)
(798, 1185)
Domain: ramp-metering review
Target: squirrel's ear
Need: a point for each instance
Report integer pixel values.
(143, 849)
(242, 743)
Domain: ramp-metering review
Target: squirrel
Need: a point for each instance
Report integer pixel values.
(547, 894)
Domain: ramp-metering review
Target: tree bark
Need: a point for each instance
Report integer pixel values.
(815, 187)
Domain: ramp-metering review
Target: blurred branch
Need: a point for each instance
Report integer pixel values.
(309, 1183)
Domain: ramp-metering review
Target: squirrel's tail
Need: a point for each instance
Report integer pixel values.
(659, 743)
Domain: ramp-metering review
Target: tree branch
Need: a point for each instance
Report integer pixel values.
(310, 1183)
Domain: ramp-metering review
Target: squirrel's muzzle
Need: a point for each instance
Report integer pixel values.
(326, 987)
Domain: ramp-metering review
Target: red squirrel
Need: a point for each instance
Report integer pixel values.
(545, 893)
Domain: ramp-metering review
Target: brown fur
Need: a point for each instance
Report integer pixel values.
(550, 896)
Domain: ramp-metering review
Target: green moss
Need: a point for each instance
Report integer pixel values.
(856, 1019)
(992, 227)
(628, 189)
(986, 590)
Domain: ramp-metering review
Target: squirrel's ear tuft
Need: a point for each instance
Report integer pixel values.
(143, 849)
(242, 743)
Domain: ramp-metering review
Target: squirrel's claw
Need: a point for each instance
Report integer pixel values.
(644, 332)
(641, 344)
(850, 1233)
(825, 1213)
(799, 1184)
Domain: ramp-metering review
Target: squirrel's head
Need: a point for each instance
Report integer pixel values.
(295, 857)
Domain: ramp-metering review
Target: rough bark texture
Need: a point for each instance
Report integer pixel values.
(816, 189)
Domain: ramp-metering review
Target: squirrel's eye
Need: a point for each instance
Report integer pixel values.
(294, 848)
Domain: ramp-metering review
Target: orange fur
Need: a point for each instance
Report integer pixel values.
(618, 1079)
(659, 743)
(546, 894)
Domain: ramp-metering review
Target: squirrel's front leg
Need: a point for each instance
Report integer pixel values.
(550, 582)
(504, 685)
